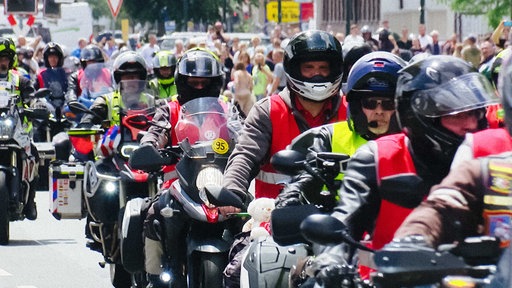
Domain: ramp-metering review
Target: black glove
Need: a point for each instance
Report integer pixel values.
(328, 269)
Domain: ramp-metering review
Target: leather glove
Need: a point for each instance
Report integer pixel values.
(327, 269)
(39, 104)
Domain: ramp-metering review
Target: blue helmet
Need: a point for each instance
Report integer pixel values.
(373, 75)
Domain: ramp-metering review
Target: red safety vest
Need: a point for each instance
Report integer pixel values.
(170, 170)
(284, 129)
(394, 159)
(491, 141)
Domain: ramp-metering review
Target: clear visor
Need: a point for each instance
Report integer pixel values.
(464, 93)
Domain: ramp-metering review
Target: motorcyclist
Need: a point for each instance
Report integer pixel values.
(371, 88)
(12, 82)
(164, 66)
(128, 66)
(439, 99)
(474, 199)
(199, 74)
(54, 78)
(313, 65)
(89, 55)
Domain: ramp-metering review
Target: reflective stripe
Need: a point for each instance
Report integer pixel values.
(273, 178)
(498, 200)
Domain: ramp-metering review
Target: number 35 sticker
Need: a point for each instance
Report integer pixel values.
(220, 146)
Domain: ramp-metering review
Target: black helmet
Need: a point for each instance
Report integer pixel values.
(91, 52)
(313, 45)
(129, 62)
(351, 56)
(505, 90)
(55, 49)
(164, 59)
(373, 75)
(198, 62)
(437, 86)
(8, 48)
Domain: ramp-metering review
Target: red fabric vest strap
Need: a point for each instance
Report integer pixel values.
(491, 141)
(174, 110)
(392, 150)
(284, 129)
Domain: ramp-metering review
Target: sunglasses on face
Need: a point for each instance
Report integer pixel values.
(371, 104)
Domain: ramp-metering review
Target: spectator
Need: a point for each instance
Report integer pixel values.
(244, 58)
(179, 48)
(261, 75)
(405, 41)
(500, 35)
(424, 38)
(255, 42)
(279, 81)
(386, 41)
(434, 48)
(450, 44)
(242, 86)
(354, 38)
(235, 46)
(416, 46)
(149, 50)
(82, 42)
(471, 53)
(227, 64)
(219, 33)
(488, 50)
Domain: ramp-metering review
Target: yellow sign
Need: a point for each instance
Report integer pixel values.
(290, 11)
(220, 146)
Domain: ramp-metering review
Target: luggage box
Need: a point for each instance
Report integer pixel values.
(66, 197)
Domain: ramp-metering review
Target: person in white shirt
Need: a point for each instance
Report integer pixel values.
(149, 50)
(353, 39)
(424, 38)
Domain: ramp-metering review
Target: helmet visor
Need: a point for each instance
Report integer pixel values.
(467, 92)
(201, 66)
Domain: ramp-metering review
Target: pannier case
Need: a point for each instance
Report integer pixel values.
(66, 197)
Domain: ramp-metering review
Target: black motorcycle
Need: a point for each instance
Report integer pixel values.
(110, 182)
(18, 165)
(273, 269)
(470, 262)
(206, 133)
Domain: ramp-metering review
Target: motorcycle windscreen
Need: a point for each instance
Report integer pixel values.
(135, 97)
(204, 123)
(95, 80)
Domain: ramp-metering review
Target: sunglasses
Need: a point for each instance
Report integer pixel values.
(372, 104)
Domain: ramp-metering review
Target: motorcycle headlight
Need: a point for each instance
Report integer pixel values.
(110, 186)
(7, 126)
(208, 176)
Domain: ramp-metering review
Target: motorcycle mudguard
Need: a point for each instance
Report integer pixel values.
(132, 237)
(13, 180)
(205, 239)
(267, 264)
(102, 204)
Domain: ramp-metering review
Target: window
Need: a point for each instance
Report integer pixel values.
(20, 6)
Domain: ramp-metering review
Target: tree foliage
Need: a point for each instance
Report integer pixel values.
(495, 10)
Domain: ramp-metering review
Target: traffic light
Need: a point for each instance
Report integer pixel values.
(20, 6)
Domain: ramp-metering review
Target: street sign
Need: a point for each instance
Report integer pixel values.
(290, 11)
(115, 6)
